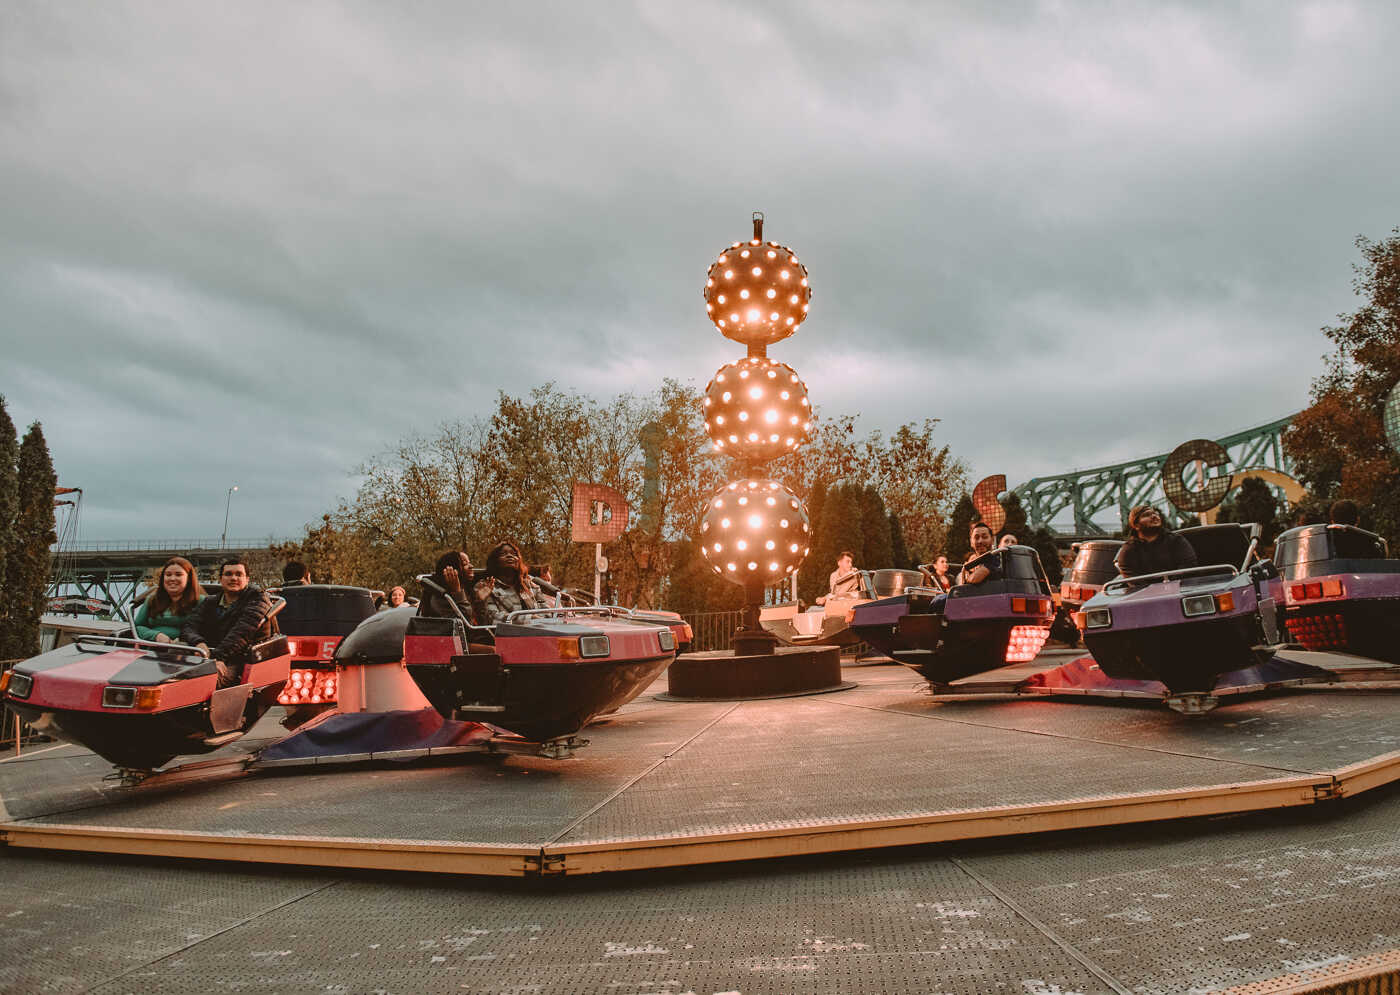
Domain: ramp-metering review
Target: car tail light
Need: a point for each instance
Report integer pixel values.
(1298, 591)
(311, 687)
(1225, 602)
(1025, 642)
(1313, 590)
(1018, 604)
(1333, 588)
(1198, 604)
(850, 615)
(1319, 632)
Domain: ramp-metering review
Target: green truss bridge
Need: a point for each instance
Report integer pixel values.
(1096, 501)
(112, 571)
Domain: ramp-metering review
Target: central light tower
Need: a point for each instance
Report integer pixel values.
(755, 531)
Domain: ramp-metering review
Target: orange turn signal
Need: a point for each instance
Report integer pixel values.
(1333, 588)
(568, 649)
(1225, 602)
(147, 698)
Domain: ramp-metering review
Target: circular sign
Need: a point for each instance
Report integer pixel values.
(1188, 455)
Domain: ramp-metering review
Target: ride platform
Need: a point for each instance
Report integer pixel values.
(671, 783)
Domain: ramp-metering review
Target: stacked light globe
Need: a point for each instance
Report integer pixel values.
(755, 531)
(757, 409)
(757, 292)
(755, 528)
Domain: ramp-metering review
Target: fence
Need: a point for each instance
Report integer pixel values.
(712, 630)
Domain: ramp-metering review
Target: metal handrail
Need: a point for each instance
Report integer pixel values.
(136, 643)
(610, 611)
(1122, 583)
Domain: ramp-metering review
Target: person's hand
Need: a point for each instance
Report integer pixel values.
(450, 578)
(203, 648)
(163, 638)
(821, 599)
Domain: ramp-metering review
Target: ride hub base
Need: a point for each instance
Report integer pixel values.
(724, 675)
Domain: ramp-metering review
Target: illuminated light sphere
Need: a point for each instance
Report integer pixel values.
(756, 271)
(1392, 418)
(781, 530)
(772, 406)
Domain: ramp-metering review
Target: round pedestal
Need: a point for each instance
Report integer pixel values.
(725, 676)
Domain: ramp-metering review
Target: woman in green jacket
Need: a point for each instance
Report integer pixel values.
(177, 592)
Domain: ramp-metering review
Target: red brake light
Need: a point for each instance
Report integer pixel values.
(1018, 604)
(1314, 590)
(1298, 591)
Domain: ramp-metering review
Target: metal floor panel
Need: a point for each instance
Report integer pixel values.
(475, 799)
(1207, 907)
(900, 929)
(1295, 730)
(815, 760)
(71, 923)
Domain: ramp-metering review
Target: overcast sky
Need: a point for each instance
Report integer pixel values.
(256, 243)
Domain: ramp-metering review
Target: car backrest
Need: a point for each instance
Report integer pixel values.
(1223, 544)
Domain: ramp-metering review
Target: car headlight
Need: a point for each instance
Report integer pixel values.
(17, 685)
(592, 646)
(1198, 604)
(668, 639)
(1098, 618)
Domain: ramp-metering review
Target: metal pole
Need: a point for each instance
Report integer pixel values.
(223, 539)
(597, 573)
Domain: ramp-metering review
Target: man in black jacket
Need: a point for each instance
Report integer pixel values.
(228, 624)
(1152, 548)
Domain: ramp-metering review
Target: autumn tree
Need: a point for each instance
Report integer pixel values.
(1338, 443)
(27, 557)
(899, 552)
(839, 529)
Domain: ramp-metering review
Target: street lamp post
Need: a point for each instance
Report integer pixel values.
(223, 539)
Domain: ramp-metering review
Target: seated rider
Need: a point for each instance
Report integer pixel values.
(165, 611)
(504, 586)
(983, 563)
(296, 574)
(452, 573)
(228, 624)
(844, 581)
(1152, 548)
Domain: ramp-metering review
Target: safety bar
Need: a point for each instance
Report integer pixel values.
(427, 581)
(135, 643)
(1122, 583)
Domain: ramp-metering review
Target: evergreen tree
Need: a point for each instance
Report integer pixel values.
(1016, 523)
(27, 561)
(839, 528)
(877, 546)
(1255, 503)
(816, 501)
(9, 502)
(1043, 542)
(899, 552)
(959, 542)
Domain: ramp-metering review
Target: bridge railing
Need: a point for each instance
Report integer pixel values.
(172, 545)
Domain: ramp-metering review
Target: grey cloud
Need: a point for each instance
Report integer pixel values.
(1074, 233)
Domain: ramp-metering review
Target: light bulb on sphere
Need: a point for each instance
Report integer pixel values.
(755, 529)
(757, 292)
(757, 409)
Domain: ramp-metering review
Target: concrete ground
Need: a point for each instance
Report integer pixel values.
(1262, 902)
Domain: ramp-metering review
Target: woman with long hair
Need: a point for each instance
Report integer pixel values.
(161, 616)
(504, 586)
